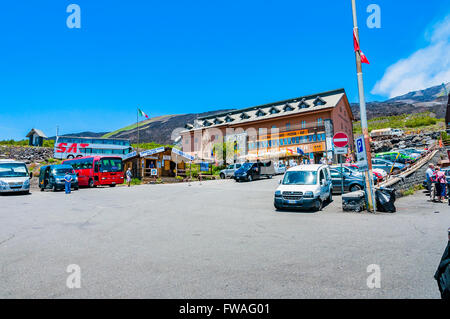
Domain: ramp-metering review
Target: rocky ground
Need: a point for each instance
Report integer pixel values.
(25, 153)
(414, 140)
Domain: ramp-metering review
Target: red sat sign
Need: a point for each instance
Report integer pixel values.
(340, 139)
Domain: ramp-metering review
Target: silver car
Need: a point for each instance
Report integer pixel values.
(14, 177)
(229, 171)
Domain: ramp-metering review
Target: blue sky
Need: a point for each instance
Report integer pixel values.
(172, 57)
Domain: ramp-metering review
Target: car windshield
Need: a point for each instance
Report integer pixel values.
(245, 167)
(63, 171)
(300, 178)
(111, 165)
(13, 170)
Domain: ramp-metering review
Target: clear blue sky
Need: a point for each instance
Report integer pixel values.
(172, 57)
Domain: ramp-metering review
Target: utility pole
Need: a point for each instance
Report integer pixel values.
(362, 107)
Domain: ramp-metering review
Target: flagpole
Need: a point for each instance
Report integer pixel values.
(362, 107)
(137, 152)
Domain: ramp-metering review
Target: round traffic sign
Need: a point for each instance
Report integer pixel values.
(340, 139)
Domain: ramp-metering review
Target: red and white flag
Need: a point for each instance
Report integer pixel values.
(358, 49)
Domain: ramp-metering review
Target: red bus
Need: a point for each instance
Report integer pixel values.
(93, 171)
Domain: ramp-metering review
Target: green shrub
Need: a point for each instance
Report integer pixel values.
(134, 181)
(412, 190)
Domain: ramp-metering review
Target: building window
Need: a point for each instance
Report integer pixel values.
(288, 126)
(274, 110)
(303, 124)
(319, 121)
(287, 107)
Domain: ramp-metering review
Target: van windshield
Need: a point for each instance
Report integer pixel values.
(63, 171)
(13, 170)
(300, 178)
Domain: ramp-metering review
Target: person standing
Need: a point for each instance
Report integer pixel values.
(429, 173)
(441, 181)
(67, 182)
(129, 175)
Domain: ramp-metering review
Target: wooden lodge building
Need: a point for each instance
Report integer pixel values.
(302, 126)
(156, 163)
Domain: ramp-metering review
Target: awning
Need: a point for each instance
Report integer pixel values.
(180, 156)
(152, 151)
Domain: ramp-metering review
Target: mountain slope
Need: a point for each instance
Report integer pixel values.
(158, 129)
(433, 99)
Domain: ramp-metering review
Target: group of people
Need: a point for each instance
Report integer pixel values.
(436, 183)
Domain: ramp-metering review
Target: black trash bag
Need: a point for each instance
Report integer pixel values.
(385, 198)
(442, 274)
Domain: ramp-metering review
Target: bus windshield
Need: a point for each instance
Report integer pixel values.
(110, 165)
(13, 170)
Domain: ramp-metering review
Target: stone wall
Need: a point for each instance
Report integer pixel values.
(407, 180)
(27, 154)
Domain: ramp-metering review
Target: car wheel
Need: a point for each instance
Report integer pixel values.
(112, 185)
(270, 176)
(396, 171)
(330, 198)
(42, 189)
(91, 183)
(69, 156)
(355, 188)
(55, 188)
(318, 205)
(222, 175)
(76, 188)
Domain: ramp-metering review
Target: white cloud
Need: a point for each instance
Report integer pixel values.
(426, 67)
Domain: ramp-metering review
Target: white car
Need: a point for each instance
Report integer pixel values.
(229, 171)
(304, 186)
(280, 168)
(14, 177)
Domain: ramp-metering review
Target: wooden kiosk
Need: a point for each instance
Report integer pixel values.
(154, 163)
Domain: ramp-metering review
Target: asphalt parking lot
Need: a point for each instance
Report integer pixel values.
(218, 239)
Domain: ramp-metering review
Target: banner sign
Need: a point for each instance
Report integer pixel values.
(204, 167)
(153, 172)
(152, 151)
(185, 155)
(129, 155)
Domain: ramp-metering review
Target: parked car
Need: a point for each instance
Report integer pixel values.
(229, 171)
(304, 187)
(377, 174)
(353, 180)
(52, 177)
(381, 174)
(280, 168)
(386, 165)
(14, 177)
(411, 152)
(256, 170)
(396, 157)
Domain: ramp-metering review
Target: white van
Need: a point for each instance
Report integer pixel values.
(304, 186)
(14, 177)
